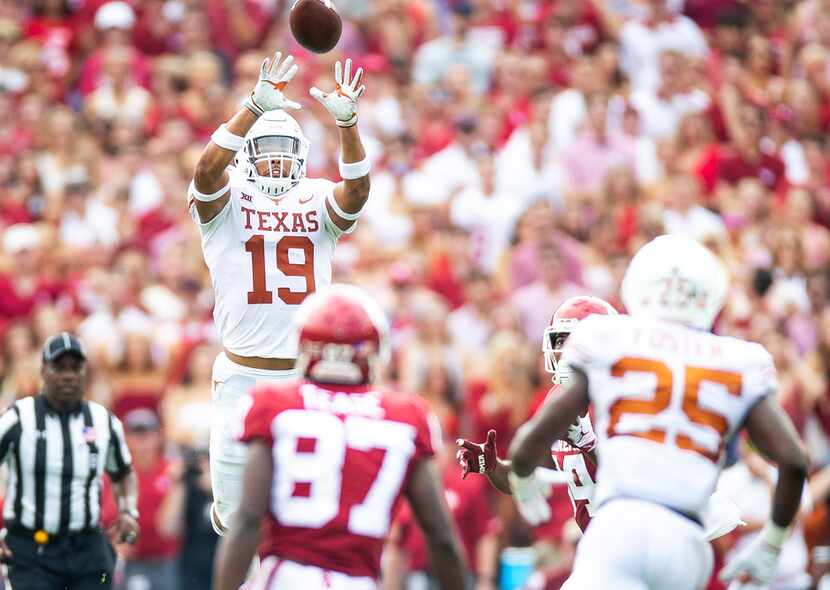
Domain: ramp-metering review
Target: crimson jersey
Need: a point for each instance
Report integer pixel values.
(581, 488)
(342, 458)
(584, 471)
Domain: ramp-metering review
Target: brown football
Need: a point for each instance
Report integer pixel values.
(315, 24)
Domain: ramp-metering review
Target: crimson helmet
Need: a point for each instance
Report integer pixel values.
(564, 320)
(342, 337)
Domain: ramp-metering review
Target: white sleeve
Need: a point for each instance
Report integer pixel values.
(331, 228)
(760, 377)
(208, 228)
(581, 350)
(119, 462)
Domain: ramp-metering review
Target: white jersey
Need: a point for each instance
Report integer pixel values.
(665, 399)
(265, 256)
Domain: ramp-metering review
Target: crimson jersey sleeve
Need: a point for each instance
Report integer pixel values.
(428, 437)
(256, 412)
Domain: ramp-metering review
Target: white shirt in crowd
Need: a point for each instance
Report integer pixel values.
(697, 222)
(567, 112)
(660, 117)
(440, 175)
(490, 219)
(641, 46)
(516, 173)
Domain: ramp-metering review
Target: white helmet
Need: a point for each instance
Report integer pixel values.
(276, 138)
(676, 279)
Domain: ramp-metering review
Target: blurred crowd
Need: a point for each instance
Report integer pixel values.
(522, 150)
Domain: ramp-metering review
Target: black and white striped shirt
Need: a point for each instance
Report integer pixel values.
(56, 462)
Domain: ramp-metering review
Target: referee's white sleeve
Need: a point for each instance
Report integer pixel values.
(9, 431)
(119, 461)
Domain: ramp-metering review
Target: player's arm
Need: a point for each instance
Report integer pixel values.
(211, 183)
(534, 438)
(351, 193)
(772, 432)
(237, 549)
(426, 496)
(498, 477)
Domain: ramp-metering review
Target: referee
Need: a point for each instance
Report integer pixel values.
(57, 446)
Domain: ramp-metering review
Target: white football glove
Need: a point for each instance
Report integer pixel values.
(531, 495)
(342, 101)
(720, 516)
(754, 567)
(273, 77)
(581, 434)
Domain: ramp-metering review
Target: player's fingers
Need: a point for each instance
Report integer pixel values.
(286, 77)
(359, 92)
(357, 76)
(338, 72)
(470, 446)
(287, 71)
(347, 71)
(275, 63)
(461, 457)
(294, 106)
(491, 438)
(263, 70)
(318, 94)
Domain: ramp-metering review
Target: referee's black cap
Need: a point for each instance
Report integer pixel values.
(60, 344)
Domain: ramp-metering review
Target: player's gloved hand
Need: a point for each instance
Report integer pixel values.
(754, 567)
(531, 496)
(477, 458)
(581, 434)
(273, 78)
(342, 101)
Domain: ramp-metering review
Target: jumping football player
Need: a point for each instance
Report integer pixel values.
(268, 234)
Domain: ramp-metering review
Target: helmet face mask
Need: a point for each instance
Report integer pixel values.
(565, 319)
(276, 153)
(552, 346)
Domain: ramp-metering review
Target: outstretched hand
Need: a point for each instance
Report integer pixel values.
(477, 458)
(273, 78)
(341, 102)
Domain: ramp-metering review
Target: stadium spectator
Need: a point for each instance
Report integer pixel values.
(151, 562)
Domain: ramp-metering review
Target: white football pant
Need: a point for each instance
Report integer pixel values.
(636, 545)
(276, 574)
(227, 456)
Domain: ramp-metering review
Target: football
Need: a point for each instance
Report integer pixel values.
(315, 24)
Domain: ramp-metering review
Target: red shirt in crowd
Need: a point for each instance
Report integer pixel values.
(729, 165)
(154, 484)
